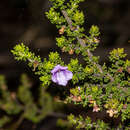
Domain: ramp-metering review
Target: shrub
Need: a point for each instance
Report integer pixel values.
(95, 87)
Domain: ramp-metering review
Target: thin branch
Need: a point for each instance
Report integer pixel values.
(57, 115)
(90, 55)
(69, 21)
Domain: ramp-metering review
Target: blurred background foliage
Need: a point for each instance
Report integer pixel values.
(16, 106)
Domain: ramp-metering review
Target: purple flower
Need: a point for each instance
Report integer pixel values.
(61, 75)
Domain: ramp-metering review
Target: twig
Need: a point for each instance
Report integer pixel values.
(90, 55)
(57, 115)
(69, 21)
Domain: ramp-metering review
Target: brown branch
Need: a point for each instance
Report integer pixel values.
(90, 55)
(69, 21)
(57, 115)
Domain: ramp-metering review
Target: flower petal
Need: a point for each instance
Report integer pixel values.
(61, 79)
(54, 79)
(58, 67)
(68, 74)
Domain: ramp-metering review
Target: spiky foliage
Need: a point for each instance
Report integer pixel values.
(100, 87)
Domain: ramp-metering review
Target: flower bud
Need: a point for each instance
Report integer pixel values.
(35, 64)
(96, 108)
(71, 52)
(76, 99)
(63, 49)
(61, 31)
(128, 70)
(79, 98)
(111, 112)
(92, 102)
(96, 40)
(120, 70)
